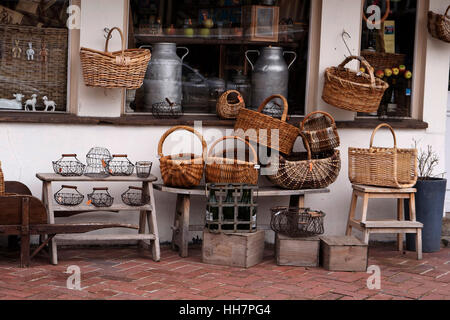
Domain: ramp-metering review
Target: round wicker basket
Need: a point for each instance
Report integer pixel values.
(229, 110)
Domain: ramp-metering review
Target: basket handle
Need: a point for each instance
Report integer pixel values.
(100, 189)
(136, 188)
(239, 95)
(120, 156)
(69, 155)
(252, 150)
(120, 60)
(285, 103)
(364, 63)
(69, 187)
(379, 127)
(190, 129)
(306, 144)
(326, 114)
(446, 12)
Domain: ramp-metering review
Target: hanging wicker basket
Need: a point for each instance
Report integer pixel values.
(300, 171)
(320, 130)
(226, 170)
(259, 127)
(227, 109)
(439, 25)
(182, 170)
(384, 167)
(120, 69)
(352, 91)
(383, 60)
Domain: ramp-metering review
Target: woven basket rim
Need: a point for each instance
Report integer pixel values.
(336, 152)
(211, 161)
(331, 76)
(264, 116)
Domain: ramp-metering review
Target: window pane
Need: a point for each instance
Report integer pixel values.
(216, 35)
(390, 50)
(33, 55)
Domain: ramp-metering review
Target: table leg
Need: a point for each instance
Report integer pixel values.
(47, 200)
(180, 237)
(419, 244)
(143, 215)
(297, 201)
(152, 225)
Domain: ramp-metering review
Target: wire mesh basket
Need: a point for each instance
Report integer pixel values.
(100, 198)
(97, 160)
(167, 110)
(135, 197)
(143, 169)
(68, 168)
(297, 222)
(117, 167)
(66, 198)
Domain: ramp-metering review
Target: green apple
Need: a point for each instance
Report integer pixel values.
(408, 74)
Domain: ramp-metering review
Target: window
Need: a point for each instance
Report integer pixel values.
(33, 55)
(390, 50)
(201, 48)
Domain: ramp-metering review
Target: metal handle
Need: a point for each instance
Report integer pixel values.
(69, 187)
(69, 155)
(293, 60)
(100, 189)
(248, 59)
(120, 156)
(187, 52)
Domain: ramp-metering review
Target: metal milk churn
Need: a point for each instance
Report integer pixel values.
(270, 76)
(163, 78)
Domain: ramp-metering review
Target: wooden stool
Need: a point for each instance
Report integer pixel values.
(399, 226)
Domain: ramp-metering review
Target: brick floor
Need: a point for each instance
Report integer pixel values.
(129, 273)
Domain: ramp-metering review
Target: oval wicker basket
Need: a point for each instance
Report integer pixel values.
(183, 170)
(229, 110)
(352, 91)
(320, 130)
(250, 124)
(226, 170)
(439, 25)
(120, 69)
(299, 171)
(383, 167)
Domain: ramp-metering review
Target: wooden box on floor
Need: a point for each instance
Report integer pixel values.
(298, 252)
(243, 250)
(343, 253)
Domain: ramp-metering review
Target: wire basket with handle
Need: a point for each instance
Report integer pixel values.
(65, 198)
(297, 222)
(135, 197)
(320, 130)
(122, 167)
(100, 198)
(69, 168)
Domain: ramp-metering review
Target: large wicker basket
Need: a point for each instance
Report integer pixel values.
(220, 169)
(383, 60)
(439, 25)
(182, 170)
(259, 127)
(352, 91)
(120, 69)
(384, 167)
(320, 130)
(229, 110)
(299, 171)
(2, 181)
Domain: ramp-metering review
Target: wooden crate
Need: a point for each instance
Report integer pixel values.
(243, 250)
(343, 253)
(298, 252)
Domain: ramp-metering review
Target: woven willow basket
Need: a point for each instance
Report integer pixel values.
(383, 60)
(229, 110)
(226, 170)
(352, 91)
(120, 69)
(2, 181)
(383, 167)
(259, 127)
(182, 170)
(439, 25)
(299, 171)
(320, 130)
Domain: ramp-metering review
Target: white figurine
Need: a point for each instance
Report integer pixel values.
(32, 102)
(50, 106)
(15, 104)
(30, 52)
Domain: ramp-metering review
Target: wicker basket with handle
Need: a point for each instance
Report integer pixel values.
(226, 170)
(383, 60)
(182, 170)
(252, 123)
(120, 69)
(383, 167)
(439, 25)
(300, 171)
(352, 91)
(2, 181)
(229, 110)
(320, 130)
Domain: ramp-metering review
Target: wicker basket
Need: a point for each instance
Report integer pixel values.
(2, 181)
(229, 110)
(439, 25)
(320, 130)
(226, 170)
(250, 124)
(183, 170)
(384, 167)
(120, 69)
(383, 60)
(348, 90)
(299, 171)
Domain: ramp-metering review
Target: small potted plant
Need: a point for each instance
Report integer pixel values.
(430, 200)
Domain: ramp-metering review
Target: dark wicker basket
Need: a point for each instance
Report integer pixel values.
(167, 110)
(297, 223)
(320, 130)
(69, 168)
(135, 197)
(71, 199)
(120, 167)
(100, 199)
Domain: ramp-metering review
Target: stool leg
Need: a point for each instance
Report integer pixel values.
(419, 244)
(351, 214)
(400, 217)
(365, 208)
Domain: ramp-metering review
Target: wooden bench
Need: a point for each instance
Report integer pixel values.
(181, 227)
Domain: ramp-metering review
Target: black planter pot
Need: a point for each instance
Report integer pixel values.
(430, 200)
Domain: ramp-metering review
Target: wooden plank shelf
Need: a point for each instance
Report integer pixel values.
(113, 208)
(106, 237)
(53, 177)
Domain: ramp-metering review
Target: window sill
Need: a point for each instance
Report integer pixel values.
(211, 121)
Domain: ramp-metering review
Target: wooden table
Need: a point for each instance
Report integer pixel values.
(147, 213)
(182, 227)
